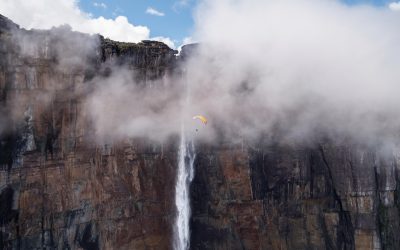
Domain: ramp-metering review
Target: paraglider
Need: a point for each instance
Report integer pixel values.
(201, 118)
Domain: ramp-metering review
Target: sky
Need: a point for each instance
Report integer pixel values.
(174, 18)
(169, 18)
(169, 21)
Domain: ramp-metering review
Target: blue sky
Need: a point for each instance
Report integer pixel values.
(373, 2)
(177, 22)
(169, 21)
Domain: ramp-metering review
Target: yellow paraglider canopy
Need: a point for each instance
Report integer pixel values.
(201, 118)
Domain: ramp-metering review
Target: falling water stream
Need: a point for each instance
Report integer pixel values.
(182, 199)
(186, 157)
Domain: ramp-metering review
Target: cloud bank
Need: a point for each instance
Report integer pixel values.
(120, 107)
(297, 69)
(45, 14)
(300, 66)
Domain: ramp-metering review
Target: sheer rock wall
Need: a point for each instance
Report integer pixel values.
(59, 189)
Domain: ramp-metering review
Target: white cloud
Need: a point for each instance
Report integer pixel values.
(117, 10)
(168, 41)
(180, 4)
(44, 14)
(100, 5)
(118, 29)
(313, 66)
(154, 12)
(395, 6)
(186, 40)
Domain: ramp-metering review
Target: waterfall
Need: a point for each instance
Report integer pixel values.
(186, 157)
(182, 199)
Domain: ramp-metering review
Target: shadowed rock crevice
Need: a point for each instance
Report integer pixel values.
(345, 234)
(86, 239)
(7, 212)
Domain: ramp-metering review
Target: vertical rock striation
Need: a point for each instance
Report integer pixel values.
(61, 190)
(280, 196)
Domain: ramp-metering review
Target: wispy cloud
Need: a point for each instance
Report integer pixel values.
(100, 5)
(154, 12)
(180, 4)
(188, 40)
(395, 6)
(117, 11)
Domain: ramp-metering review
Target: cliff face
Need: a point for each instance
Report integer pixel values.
(295, 197)
(59, 189)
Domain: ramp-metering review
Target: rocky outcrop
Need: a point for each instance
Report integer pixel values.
(59, 189)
